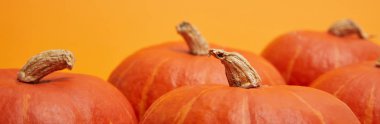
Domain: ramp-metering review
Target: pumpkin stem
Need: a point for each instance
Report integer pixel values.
(195, 41)
(378, 63)
(347, 27)
(238, 70)
(45, 63)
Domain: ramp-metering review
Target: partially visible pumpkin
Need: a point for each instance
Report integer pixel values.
(246, 102)
(60, 98)
(153, 71)
(302, 56)
(358, 86)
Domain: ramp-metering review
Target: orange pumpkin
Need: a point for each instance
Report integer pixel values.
(302, 56)
(153, 71)
(246, 102)
(60, 98)
(358, 86)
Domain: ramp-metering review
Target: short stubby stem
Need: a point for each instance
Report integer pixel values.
(238, 70)
(346, 27)
(45, 63)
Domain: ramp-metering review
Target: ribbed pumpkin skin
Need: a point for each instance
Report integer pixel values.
(151, 72)
(216, 104)
(302, 56)
(358, 86)
(62, 98)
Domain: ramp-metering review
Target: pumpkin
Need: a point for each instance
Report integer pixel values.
(302, 56)
(358, 86)
(59, 98)
(247, 101)
(153, 71)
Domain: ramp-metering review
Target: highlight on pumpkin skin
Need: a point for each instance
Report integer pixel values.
(238, 70)
(195, 41)
(346, 27)
(45, 63)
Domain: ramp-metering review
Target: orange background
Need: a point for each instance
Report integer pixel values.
(101, 33)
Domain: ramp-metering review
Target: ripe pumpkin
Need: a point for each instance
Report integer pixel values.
(153, 71)
(60, 97)
(358, 86)
(246, 101)
(302, 56)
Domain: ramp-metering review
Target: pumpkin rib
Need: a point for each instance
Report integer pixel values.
(360, 90)
(156, 105)
(248, 111)
(336, 53)
(25, 107)
(317, 113)
(270, 80)
(265, 73)
(148, 84)
(125, 108)
(184, 69)
(131, 63)
(369, 107)
(339, 90)
(343, 86)
(266, 104)
(182, 113)
(173, 83)
(322, 52)
(289, 68)
(317, 83)
(119, 80)
(62, 98)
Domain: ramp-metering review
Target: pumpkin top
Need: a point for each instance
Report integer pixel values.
(195, 41)
(346, 27)
(45, 63)
(238, 70)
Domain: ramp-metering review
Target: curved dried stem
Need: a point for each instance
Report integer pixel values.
(45, 63)
(238, 70)
(195, 41)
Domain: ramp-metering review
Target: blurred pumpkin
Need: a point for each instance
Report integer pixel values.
(358, 86)
(153, 71)
(60, 98)
(246, 101)
(302, 56)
